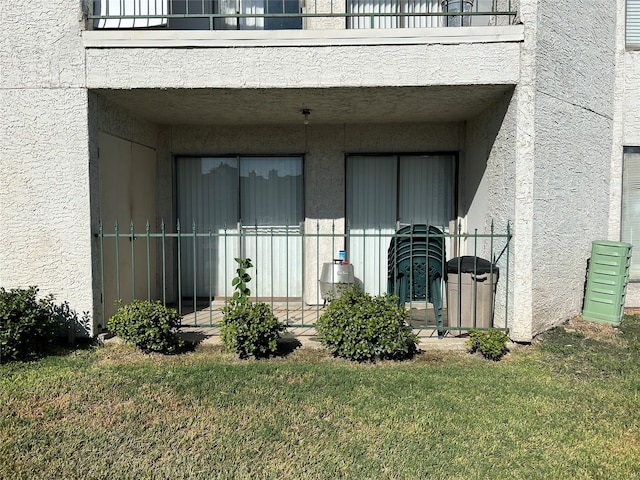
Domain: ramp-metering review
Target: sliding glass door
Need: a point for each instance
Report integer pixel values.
(393, 13)
(254, 208)
(385, 192)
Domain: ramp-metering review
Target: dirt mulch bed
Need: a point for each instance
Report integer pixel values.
(604, 332)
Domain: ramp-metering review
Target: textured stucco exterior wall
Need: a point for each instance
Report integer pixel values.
(45, 237)
(575, 80)
(41, 44)
(324, 147)
(628, 134)
(631, 99)
(44, 193)
(487, 190)
(120, 122)
(299, 67)
(625, 116)
(553, 145)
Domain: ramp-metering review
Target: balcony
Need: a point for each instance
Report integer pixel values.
(192, 268)
(298, 14)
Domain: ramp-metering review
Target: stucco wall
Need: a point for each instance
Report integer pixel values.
(44, 193)
(631, 103)
(45, 235)
(573, 136)
(299, 67)
(562, 122)
(628, 123)
(41, 44)
(487, 191)
(324, 147)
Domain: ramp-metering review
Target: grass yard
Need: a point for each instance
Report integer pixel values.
(566, 407)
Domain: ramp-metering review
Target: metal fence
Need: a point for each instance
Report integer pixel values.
(192, 270)
(298, 14)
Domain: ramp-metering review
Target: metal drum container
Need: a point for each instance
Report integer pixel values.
(335, 277)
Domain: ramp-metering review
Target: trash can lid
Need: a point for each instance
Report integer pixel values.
(466, 263)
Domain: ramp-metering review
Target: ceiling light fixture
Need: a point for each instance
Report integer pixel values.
(306, 112)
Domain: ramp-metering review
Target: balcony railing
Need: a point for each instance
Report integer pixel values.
(192, 269)
(297, 14)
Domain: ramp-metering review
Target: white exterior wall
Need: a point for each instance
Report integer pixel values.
(487, 190)
(626, 132)
(300, 66)
(324, 147)
(45, 234)
(575, 80)
(629, 135)
(542, 157)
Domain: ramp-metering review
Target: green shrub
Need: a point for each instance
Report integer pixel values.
(28, 327)
(492, 344)
(248, 328)
(149, 325)
(359, 327)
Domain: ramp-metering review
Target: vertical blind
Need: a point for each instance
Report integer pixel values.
(265, 194)
(369, 7)
(130, 8)
(633, 23)
(384, 191)
(196, 14)
(631, 207)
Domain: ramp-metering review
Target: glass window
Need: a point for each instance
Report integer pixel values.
(383, 190)
(630, 228)
(265, 196)
(633, 23)
(386, 190)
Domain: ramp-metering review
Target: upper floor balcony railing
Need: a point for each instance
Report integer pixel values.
(298, 14)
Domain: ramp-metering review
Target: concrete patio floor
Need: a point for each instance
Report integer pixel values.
(201, 326)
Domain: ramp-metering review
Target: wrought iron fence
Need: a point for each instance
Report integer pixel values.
(447, 280)
(297, 14)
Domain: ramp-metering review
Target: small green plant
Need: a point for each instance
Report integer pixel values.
(359, 327)
(241, 295)
(149, 325)
(492, 344)
(29, 326)
(248, 328)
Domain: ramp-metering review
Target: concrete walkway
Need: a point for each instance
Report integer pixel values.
(305, 337)
(294, 314)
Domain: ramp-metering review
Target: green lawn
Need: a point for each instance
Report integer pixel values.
(566, 407)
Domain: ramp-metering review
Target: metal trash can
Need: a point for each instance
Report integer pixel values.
(607, 281)
(335, 277)
(468, 276)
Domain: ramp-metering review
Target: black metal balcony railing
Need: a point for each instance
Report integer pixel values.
(192, 269)
(297, 14)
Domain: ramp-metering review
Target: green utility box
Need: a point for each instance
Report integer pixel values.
(607, 282)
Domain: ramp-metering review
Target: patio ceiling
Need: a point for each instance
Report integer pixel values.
(328, 105)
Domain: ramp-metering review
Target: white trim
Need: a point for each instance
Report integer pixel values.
(297, 38)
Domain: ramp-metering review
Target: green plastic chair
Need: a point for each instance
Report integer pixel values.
(416, 266)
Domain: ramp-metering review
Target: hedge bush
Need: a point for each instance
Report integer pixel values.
(248, 328)
(492, 344)
(360, 327)
(29, 327)
(149, 325)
